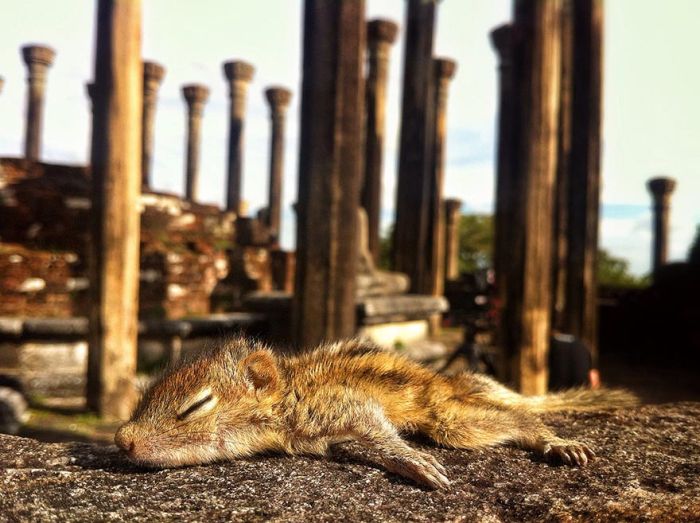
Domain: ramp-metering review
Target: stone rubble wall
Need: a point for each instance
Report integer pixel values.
(186, 248)
(41, 282)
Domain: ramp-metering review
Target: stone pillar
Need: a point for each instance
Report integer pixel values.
(90, 91)
(195, 96)
(453, 209)
(116, 179)
(560, 251)
(153, 74)
(412, 195)
(443, 72)
(661, 190)
(329, 170)
(525, 326)
(239, 74)
(580, 312)
(381, 34)
(38, 59)
(503, 41)
(278, 98)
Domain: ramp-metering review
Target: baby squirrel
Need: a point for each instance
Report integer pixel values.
(243, 399)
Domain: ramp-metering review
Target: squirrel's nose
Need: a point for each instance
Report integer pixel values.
(124, 438)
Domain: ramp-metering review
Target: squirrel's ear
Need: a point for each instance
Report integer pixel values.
(260, 370)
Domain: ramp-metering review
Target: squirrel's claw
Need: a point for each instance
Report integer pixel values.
(421, 467)
(569, 452)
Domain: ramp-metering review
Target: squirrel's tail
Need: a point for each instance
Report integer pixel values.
(578, 399)
(581, 400)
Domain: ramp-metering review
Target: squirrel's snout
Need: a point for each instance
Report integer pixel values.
(124, 438)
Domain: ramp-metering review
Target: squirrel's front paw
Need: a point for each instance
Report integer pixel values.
(569, 452)
(421, 467)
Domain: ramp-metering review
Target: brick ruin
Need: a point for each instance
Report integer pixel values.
(191, 264)
(43, 228)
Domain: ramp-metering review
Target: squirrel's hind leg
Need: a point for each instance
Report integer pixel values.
(476, 423)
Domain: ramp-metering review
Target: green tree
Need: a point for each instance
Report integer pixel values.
(385, 249)
(475, 242)
(476, 252)
(614, 272)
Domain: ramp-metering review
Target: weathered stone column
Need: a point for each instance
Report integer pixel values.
(416, 147)
(90, 92)
(580, 312)
(381, 34)
(503, 41)
(443, 71)
(661, 190)
(196, 96)
(525, 326)
(153, 75)
(38, 59)
(560, 251)
(453, 209)
(116, 179)
(329, 170)
(239, 74)
(278, 98)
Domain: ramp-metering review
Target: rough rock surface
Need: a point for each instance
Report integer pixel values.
(648, 469)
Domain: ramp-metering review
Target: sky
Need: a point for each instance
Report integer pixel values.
(651, 122)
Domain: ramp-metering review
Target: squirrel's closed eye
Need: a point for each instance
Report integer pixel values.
(202, 402)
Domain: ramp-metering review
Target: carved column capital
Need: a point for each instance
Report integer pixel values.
(239, 74)
(661, 189)
(380, 30)
(278, 98)
(196, 95)
(153, 74)
(41, 55)
(452, 206)
(444, 68)
(502, 40)
(238, 70)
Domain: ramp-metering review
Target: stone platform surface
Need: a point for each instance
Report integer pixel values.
(648, 469)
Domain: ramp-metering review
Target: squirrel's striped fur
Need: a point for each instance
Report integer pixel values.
(243, 399)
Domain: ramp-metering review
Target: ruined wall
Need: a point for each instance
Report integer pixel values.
(44, 224)
(184, 255)
(40, 282)
(43, 234)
